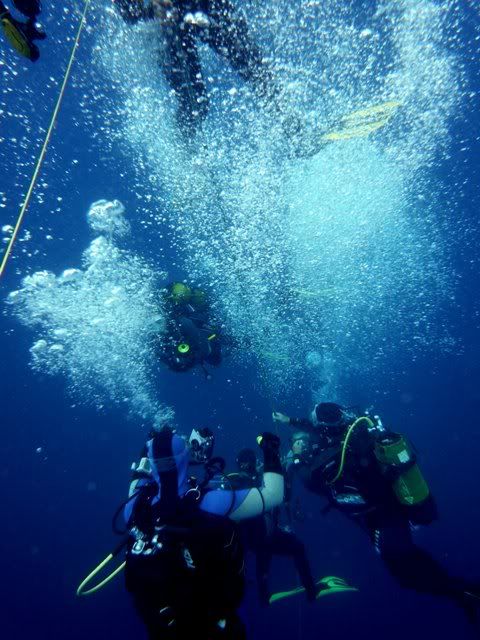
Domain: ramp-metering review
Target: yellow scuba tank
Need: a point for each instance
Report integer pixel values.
(396, 457)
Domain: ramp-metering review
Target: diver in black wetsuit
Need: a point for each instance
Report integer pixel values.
(224, 28)
(21, 35)
(371, 475)
(184, 563)
(264, 537)
(190, 339)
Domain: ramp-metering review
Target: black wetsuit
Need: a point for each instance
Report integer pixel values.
(183, 594)
(265, 538)
(189, 325)
(365, 495)
(29, 8)
(226, 31)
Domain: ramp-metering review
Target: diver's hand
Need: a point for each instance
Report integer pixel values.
(270, 445)
(280, 417)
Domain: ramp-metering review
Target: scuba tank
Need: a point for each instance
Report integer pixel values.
(398, 461)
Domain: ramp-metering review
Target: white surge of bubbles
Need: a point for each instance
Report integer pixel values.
(92, 324)
(336, 263)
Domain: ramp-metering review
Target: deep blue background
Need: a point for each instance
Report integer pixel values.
(57, 504)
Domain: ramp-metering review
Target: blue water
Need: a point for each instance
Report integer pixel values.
(68, 441)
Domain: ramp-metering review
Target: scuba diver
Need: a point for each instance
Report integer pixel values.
(184, 564)
(189, 339)
(21, 35)
(219, 24)
(265, 538)
(371, 474)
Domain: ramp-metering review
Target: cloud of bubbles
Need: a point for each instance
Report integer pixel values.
(93, 325)
(335, 263)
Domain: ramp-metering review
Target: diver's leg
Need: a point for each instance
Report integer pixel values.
(415, 568)
(215, 354)
(230, 37)
(229, 628)
(263, 559)
(184, 75)
(284, 543)
(228, 34)
(159, 620)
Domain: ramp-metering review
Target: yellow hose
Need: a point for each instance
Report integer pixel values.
(81, 588)
(345, 444)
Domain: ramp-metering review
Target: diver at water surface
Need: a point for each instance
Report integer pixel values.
(190, 339)
(21, 35)
(221, 25)
(371, 474)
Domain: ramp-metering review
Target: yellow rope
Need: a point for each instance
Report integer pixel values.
(41, 157)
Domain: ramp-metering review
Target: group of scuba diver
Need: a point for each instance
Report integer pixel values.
(185, 536)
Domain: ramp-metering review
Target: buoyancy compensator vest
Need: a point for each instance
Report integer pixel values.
(179, 555)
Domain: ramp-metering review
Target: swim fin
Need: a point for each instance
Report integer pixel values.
(363, 122)
(328, 585)
(358, 124)
(20, 36)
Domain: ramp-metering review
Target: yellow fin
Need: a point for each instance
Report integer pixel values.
(16, 38)
(363, 122)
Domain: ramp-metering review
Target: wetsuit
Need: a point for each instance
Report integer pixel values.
(224, 28)
(190, 339)
(365, 495)
(184, 566)
(264, 537)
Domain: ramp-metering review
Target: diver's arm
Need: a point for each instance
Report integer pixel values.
(249, 503)
(303, 423)
(133, 11)
(258, 501)
(141, 473)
